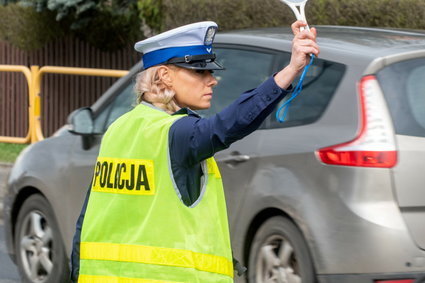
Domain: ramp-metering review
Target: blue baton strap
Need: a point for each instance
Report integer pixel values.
(295, 93)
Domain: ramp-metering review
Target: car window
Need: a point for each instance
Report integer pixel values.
(403, 85)
(245, 70)
(121, 104)
(319, 85)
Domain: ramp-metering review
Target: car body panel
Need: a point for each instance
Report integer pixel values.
(353, 214)
(82, 166)
(381, 62)
(409, 182)
(30, 174)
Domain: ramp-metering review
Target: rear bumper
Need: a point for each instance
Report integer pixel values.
(370, 278)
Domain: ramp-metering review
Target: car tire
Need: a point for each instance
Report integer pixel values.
(40, 253)
(280, 254)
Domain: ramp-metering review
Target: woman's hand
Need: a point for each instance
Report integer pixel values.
(303, 44)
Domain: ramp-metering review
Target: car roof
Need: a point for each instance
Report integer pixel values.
(365, 44)
(361, 42)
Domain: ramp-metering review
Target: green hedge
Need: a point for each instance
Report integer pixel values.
(26, 28)
(108, 25)
(112, 24)
(233, 14)
(229, 14)
(375, 13)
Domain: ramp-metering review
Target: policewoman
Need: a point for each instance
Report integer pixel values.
(156, 210)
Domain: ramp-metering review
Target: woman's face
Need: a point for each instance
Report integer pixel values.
(193, 88)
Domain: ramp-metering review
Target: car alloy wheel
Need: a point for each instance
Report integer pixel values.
(276, 262)
(279, 254)
(41, 257)
(36, 246)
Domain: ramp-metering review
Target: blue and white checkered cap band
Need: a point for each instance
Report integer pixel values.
(163, 55)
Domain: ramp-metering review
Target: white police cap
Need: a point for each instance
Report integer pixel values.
(189, 46)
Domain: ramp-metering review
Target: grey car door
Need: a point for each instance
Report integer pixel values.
(83, 160)
(246, 68)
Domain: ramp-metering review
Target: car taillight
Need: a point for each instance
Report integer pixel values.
(374, 146)
(395, 281)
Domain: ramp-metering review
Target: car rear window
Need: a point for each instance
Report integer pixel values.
(319, 86)
(403, 84)
(246, 69)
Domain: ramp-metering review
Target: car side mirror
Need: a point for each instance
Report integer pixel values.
(81, 121)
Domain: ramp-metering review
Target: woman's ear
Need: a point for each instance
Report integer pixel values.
(165, 76)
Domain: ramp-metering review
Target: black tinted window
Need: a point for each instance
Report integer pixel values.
(319, 86)
(245, 70)
(403, 84)
(121, 104)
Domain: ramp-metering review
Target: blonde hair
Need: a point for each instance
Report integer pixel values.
(149, 88)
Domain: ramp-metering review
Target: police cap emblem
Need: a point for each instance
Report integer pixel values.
(209, 35)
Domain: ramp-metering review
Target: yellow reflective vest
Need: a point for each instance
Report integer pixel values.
(136, 228)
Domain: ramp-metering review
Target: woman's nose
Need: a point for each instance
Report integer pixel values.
(212, 81)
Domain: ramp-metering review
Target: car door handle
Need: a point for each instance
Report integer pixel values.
(235, 157)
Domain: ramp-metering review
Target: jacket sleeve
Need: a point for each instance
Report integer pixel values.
(193, 139)
(75, 255)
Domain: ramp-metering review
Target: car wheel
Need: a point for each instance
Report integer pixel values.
(41, 257)
(279, 254)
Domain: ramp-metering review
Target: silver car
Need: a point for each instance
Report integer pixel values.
(336, 193)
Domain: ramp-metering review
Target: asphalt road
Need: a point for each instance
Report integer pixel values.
(4, 171)
(8, 271)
